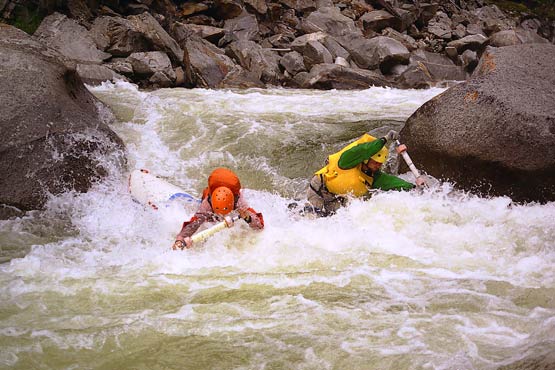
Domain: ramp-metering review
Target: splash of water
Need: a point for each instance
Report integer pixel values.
(437, 279)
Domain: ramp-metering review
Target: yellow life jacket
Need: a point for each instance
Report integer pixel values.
(352, 181)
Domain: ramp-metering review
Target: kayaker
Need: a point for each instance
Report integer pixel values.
(354, 170)
(221, 197)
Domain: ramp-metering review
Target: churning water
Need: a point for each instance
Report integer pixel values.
(406, 280)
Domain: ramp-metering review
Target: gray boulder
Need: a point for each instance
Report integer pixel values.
(312, 50)
(379, 52)
(150, 62)
(227, 9)
(181, 31)
(70, 39)
(293, 63)
(492, 19)
(52, 137)
(504, 38)
(441, 26)
(515, 37)
(494, 134)
(335, 76)
(263, 63)
(93, 74)
(244, 27)
(331, 21)
(210, 67)
(138, 33)
(428, 69)
(471, 42)
(377, 20)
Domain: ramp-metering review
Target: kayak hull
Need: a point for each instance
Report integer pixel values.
(155, 192)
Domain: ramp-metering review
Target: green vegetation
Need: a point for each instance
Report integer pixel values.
(542, 9)
(27, 20)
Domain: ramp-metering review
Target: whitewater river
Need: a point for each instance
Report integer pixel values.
(416, 280)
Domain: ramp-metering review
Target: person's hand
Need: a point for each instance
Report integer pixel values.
(178, 244)
(245, 215)
(182, 244)
(391, 135)
(228, 221)
(421, 182)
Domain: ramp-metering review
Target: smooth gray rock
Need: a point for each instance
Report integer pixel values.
(331, 21)
(53, 139)
(379, 52)
(377, 20)
(70, 39)
(92, 74)
(429, 69)
(494, 134)
(244, 27)
(138, 33)
(441, 26)
(208, 63)
(472, 42)
(293, 63)
(263, 63)
(150, 62)
(335, 76)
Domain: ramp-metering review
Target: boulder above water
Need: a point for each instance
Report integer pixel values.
(495, 133)
(53, 139)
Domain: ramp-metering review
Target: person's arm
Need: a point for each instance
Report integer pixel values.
(249, 215)
(384, 181)
(359, 153)
(190, 227)
(203, 214)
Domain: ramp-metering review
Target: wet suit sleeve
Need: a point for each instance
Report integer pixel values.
(255, 219)
(203, 214)
(191, 226)
(359, 153)
(384, 181)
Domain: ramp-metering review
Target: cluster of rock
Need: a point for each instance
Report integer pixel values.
(321, 44)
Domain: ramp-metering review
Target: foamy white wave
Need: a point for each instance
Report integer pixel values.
(434, 279)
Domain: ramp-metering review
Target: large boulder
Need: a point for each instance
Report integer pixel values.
(427, 69)
(335, 76)
(52, 137)
(312, 50)
(331, 21)
(211, 68)
(379, 52)
(495, 133)
(70, 39)
(262, 63)
(138, 33)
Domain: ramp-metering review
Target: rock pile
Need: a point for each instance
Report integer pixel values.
(321, 44)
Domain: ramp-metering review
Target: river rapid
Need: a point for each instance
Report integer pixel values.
(437, 279)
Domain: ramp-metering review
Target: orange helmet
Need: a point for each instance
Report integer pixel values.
(222, 200)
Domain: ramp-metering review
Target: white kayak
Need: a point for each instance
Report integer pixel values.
(155, 192)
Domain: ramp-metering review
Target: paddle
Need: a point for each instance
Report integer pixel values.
(420, 179)
(205, 234)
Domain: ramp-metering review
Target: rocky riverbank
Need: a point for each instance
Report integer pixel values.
(319, 44)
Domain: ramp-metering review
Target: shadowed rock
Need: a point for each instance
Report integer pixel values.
(380, 52)
(335, 76)
(331, 21)
(137, 33)
(70, 39)
(52, 137)
(263, 63)
(428, 69)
